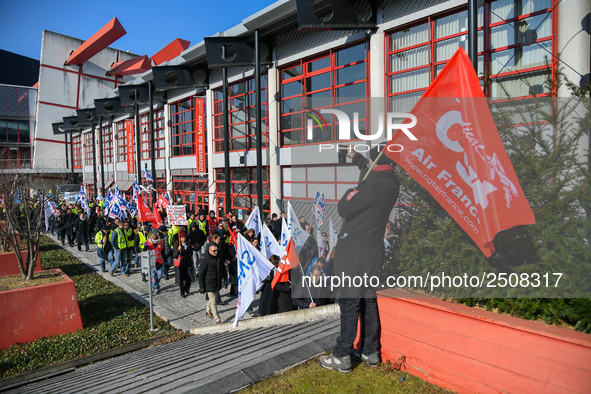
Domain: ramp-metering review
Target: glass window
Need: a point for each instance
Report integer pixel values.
(339, 77)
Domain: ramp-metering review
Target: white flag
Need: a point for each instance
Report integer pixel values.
(253, 268)
(254, 221)
(285, 235)
(333, 237)
(298, 234)
(269, 245)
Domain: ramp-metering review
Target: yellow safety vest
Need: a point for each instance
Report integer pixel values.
(121, 242)
(142, 240)
(202, 226)
(130, 237)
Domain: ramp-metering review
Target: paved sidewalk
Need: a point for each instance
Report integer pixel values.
(183, 313)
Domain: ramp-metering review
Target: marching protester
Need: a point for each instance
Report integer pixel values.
(360, 251)
(81, 230)
(183, 255)
(130, 237)
(197, 237)
(157, 245)
(104, 248)
(167, 255)
(212, 224)
(211, 274)
(268, 299)
(119, 243)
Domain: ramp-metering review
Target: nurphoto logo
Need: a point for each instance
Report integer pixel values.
(393, 122)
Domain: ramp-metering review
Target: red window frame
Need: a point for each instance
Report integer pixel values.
(121, 135)
(89, 149)
(107, 144)
(182, 127)
(293, 121)
(242, 115)
(306, 182)
(485, 53)
(185, 185)
(77, 150)
(158, 134)
(243, 186)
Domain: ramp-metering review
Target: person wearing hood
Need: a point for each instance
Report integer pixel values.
(81, 228)
(360, 251)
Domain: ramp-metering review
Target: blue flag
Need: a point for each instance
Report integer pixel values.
(136, 190)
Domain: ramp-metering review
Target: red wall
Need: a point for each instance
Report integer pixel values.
(470, 350)
(34, 312)
(9, 264)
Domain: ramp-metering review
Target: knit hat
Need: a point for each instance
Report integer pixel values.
(375, 152)
(162, 228)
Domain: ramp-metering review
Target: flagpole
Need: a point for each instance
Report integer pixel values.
(373, 165)
(307, 287)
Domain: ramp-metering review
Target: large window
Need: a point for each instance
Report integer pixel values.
(416, 53)
(14, 101)
(242, 111)
(182, 128)
(77, 148)
(193, 190)
(107, 145)
(158, 134)
(243, 189)
(14, 131)
(338, 79)
(121, 133)
(88, 149)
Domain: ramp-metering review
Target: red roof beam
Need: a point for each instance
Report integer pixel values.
(170, 51)
(129, 67)
(107, 35)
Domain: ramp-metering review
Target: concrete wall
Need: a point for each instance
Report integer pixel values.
(63, 89)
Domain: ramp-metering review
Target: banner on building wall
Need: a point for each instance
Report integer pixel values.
(200, 135)
(177, 215)
(130, 153)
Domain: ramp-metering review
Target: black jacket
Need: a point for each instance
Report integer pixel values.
(81, 228)
(211, 272)
(366, 210)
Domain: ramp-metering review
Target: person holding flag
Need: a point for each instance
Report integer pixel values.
(360, 251)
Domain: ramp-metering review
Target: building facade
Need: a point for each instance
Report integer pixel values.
(520, 45)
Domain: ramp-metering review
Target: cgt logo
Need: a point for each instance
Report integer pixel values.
(393, 121)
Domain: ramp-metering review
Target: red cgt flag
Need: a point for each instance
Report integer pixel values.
(143, 212)
(459, 158)
(157, 218)
(289, 260)
(163, 202)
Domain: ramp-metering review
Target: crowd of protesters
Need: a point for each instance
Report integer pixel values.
(201, 252)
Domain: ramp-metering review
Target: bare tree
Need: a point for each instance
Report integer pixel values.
(23, 215)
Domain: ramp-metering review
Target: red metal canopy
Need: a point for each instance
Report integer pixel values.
(170, 51)
(107, 35)
(131, 66)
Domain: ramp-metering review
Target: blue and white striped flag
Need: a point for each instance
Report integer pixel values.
(319, 208)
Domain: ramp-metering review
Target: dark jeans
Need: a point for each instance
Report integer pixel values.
(351, 308)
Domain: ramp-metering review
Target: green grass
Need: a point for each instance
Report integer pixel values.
(310, 377)
(111, 318)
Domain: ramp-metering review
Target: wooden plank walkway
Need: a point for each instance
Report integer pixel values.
(210, 363)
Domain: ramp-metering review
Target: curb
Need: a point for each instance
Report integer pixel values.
(298, 316)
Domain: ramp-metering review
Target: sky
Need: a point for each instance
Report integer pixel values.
(150, 24)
